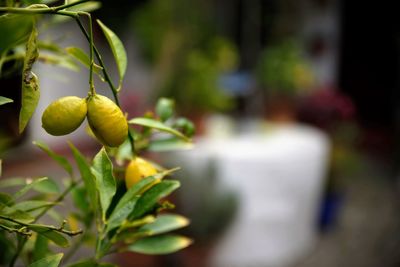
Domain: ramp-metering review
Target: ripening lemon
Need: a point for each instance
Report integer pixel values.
(107, 121)
(138, 169)
(64, 115)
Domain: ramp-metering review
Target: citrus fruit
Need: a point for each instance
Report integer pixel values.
(107, 121)
(138, 169)
(64, 115)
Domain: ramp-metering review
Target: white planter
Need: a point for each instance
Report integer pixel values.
(278, 176)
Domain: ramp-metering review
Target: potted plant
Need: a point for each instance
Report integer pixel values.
(186, 56)
(283, 76)
(118, 195)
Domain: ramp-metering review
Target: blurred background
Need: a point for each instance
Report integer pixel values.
(296, 106)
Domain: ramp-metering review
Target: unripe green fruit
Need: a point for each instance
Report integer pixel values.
(165, 108)
(64, 115)
(107, 121)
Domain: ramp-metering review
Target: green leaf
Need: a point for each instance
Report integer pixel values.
(152, 196)
(50, 46)
(163, 244)
(47, 186)
(15, 29)
(128, 201)
(88, 6)
(5, 100)
(165, 108)
(59, 60)
(30, 99)
(11, 182)
(43, 185)
(165, 223)
(169, 144)
(87, 176)
(29, 185)
(126, 226)
(16, 214)
(117, 49)
(41, 248)
(30, 82)
(159, 126)
(6, 199)
(79, 54)
(50, 234)
(49, 261)
(31, 205)
(185, 126)
(129, 236)
(60, 159)
(123, 152)
(83, 58)
(102, 170)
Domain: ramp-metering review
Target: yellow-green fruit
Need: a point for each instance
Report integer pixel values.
(107, 121)
(138, 169)
(64, 115)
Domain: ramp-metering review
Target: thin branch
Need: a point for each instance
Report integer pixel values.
(91, 60)
(22, 243)
(21, 231)
(59, 199)
(48, 227)
(101, 62)
(36, 11)
(42, 9)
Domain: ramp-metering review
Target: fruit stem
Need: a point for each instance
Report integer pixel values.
(43, 9)
(101, 62)
(91, 50)
(106, 77)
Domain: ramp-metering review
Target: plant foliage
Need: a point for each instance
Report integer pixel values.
(116, 218)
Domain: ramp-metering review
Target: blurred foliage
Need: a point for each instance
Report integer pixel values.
(282, 69)
(345, 159)
(335, 113)
(180, 43)
(15, 30)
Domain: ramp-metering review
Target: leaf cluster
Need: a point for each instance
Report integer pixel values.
(105, 216)
(124, 222)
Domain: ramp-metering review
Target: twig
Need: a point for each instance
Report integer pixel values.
(91, 49)
(22, 242)
(59, 199)
(43, 9)
(106, 77)
(21, 231)
(31, 226)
